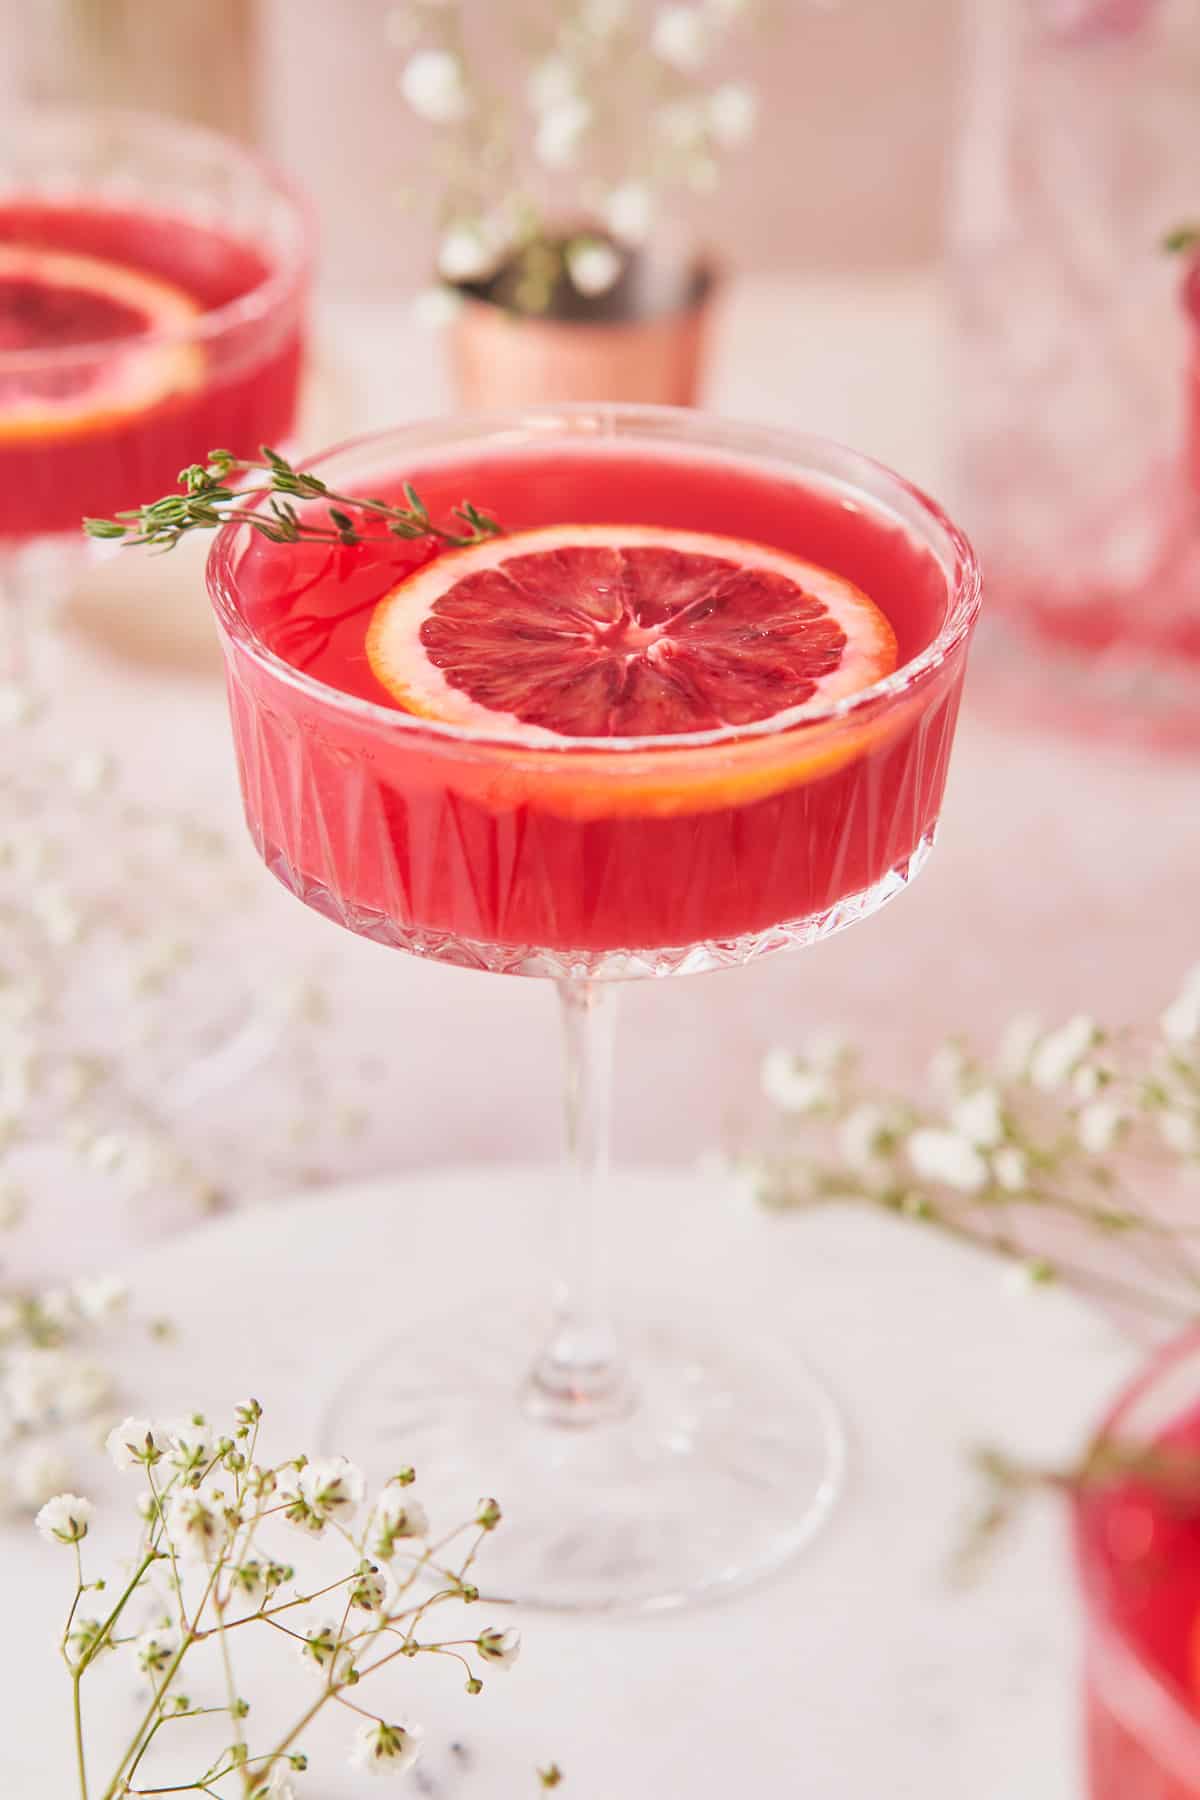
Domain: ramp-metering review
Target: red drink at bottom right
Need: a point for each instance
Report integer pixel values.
(1138, 1551)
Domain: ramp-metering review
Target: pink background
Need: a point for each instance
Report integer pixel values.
(846, 170)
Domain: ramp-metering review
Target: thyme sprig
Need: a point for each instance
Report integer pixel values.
(209, 498)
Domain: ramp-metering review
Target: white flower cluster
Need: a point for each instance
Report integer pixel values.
(51, 1383)
(208, 1507)
(1046, 1122)
(576, 89)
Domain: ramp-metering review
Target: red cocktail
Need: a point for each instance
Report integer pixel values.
(153, 285)
(1138, 1552)
(529, 833)
(694, 704)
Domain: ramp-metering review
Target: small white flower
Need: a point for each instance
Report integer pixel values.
(1060, 1053)
(1180, 1132)
(64, 1519)
(373, 1589)
(465, 253)
(1098, 1126)
(629, 212)
(551, 81)
(793, 1087)
(395, 1518)
(199, 1524)
(560, 132)
(154, 1649)
(132, 1444)
(106, 1152)
(324, 1650)
(1021, 1038)
(979, 1117)
(947, 1157)
(681, 37)
(1087, 1082)
(732, 113)
(59, 916)
(1010, 1167)
(189, 1445)
(100, 1297)
(382, 1749)
(593, 266)
(53, 1385)
(500, 1648)
(90, 771)
(432, 83)
(328, 1487)
(867, 1133)
(38, 1473)
(435, 307)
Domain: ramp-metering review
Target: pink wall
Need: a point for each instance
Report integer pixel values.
(846, 167)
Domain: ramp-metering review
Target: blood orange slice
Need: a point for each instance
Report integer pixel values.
(597, 631)
(55, 301)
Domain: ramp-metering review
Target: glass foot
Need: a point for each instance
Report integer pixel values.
(725, 1464)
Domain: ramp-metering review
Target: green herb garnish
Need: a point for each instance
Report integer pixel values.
(209, 498)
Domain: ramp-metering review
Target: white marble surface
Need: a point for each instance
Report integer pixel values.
(856, 1671)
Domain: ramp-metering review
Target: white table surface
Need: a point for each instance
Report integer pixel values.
(854, 1673)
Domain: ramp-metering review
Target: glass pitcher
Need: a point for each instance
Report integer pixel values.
(1077, 356)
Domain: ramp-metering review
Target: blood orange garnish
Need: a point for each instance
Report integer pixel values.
(65, 302)
(623, 631)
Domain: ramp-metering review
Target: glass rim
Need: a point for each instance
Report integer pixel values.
(1139, 1680)
(695, 429)
(285, 276)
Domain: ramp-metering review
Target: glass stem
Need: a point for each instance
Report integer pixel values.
(581, 1378)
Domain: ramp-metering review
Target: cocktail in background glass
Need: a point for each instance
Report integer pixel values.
(696, 706)
(153, 287)
(1137, 1551)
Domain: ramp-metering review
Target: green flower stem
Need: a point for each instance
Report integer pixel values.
(207, 501)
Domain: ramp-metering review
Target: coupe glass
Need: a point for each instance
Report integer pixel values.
(146, 193)
(637, 1471)
(1143, 1741)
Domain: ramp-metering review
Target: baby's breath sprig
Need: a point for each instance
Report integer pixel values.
(209, 1563)
(1171, 1472)
(1023, 1153)
(209, 499)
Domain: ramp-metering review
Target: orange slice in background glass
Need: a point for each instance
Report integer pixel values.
(85, 342)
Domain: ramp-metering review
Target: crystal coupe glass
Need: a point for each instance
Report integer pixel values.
(637, 1471)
